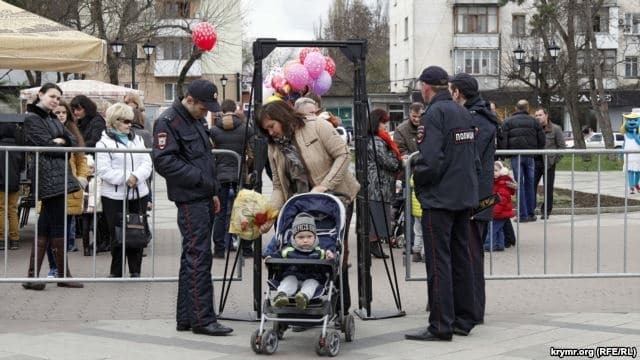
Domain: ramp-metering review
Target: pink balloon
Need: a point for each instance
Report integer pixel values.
(204, 36)
(330, 66)
(315, 63)
(322, 83)
(277, 82)
(305, 51)
(297, 76)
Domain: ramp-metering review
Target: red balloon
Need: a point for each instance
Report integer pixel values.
(204, 36)
(305, 51)
(330, 66)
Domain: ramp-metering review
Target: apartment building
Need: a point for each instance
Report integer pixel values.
(479, 37)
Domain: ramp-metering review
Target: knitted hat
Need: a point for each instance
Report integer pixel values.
(303, 222)
(503, 170)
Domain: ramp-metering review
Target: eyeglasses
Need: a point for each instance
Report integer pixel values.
(125, 121)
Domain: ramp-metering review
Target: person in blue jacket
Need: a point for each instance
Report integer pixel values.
(182, 155)
(446, 184)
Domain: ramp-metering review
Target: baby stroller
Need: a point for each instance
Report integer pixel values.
(323, 309)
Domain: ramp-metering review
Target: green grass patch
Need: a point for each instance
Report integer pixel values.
(608, 162)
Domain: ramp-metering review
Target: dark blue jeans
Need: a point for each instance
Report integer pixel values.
(524, 172)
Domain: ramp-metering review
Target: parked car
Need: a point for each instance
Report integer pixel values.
(568, 138)
(596, 141)
(344, 134)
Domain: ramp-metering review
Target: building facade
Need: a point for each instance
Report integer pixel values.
(479, 37)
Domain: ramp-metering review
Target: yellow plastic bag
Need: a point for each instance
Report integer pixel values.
(250, 210)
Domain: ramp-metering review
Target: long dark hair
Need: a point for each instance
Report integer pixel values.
(81, 101)
(376, 117)
(71, 125)
(46, 87)
(283, 113)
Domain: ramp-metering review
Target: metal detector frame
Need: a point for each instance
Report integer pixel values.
(355, 51)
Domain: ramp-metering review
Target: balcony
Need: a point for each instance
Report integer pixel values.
(476, 41)
(172, 68)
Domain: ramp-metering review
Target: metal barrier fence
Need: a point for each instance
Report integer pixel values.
(29, 199)
(588, 243)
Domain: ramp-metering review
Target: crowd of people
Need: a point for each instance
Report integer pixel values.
(455, 133)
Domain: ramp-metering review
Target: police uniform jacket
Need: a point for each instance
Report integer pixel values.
(446, 175)
(182, 155)
(522, 131)
(487, 124)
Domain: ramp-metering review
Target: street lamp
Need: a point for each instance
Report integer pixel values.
(148, 49)
(535, 63)
(223, 81)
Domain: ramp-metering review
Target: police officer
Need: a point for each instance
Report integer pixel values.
(464, 90)
(182, 155)
(446, 184)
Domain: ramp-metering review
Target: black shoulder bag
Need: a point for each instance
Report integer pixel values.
(136, 233)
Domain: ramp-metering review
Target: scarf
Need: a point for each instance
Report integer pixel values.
(293, 167)
(124, 138)
(387, 138)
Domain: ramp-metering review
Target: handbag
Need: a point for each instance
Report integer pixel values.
(136, 233)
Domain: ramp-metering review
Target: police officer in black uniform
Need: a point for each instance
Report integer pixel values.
(464, 90)
(182, 155)
(446, 184)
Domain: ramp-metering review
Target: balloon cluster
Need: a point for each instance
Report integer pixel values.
(204, 36)
(313, 72)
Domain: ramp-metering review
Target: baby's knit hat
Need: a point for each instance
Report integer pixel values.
(303, 222)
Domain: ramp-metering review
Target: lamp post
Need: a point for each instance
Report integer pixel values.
(223, 81)
(536, 64)
(148, 49)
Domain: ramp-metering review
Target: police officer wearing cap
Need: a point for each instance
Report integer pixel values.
(446, 184)
(182, 155)
(464, 90)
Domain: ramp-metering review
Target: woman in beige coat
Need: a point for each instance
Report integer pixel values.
(307, 154)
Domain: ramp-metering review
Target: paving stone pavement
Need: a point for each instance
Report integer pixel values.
(525, 317)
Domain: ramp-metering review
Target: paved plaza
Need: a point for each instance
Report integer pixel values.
(526, 318)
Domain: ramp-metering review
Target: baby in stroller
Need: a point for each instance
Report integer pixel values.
(304, 266)
(304, 245)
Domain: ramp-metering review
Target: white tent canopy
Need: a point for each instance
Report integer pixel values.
(32, 42)
(94, 89)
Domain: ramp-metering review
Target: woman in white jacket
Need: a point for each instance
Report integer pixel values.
(119, 172)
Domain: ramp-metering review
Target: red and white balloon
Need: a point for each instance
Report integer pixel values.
(204, 36)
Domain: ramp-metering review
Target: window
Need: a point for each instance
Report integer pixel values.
(519, 25)
(395, 72)
(170, 93)
(406, 68)
(631, 66)
(601, 21)
(476, 19)
(395, 34)
(176, 48)
(606, 58)
(406, 28)
(128, 85)
(174, 9)
(632, 23)
(477, 62)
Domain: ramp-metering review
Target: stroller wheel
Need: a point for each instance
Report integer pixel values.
(256, 342)
(269, 342)
(349, 328)
(330, 345)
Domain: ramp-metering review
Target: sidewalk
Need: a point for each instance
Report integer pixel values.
(524, 317)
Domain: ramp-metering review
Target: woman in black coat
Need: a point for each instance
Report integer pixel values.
(90, 123)
(54, 181)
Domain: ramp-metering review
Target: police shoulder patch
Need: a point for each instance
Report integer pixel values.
(420, 134)
(463, 136)
(161, 140)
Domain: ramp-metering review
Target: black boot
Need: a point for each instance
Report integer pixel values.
(34, 271)
(57, 246)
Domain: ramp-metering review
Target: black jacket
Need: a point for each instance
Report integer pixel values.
(91, 128)
(41, 128)
(16, 158)
(182, 155)
(487, 124)
(446, 175)
(521, 131)
(228, 133)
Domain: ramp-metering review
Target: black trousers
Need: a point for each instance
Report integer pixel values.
(449, 272)
(112, 210)
(195, 288)
(477, 234)
(551, 178)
